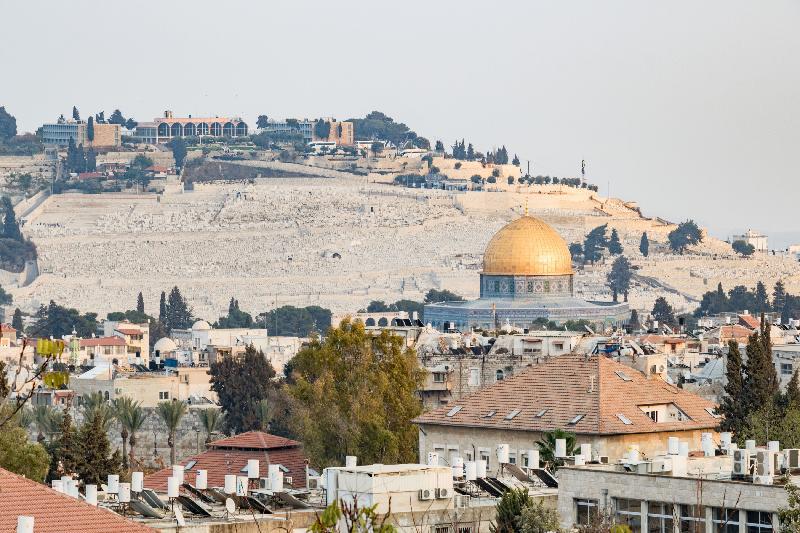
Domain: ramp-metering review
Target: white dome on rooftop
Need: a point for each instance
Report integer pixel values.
(165, 344)
(201, 325)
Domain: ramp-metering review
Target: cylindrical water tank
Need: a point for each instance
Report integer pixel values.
(586, 451)
(201, 479)
(580, 460)
(230, 483)
(725, 439)
(276, 482)
(177, 473)
(172, 487)
(750, 444)
(673, 445)
(502, 453)
(91, 494)
(533, 458)
(124, 493)
(683, 449)
(73, 489)
(350, 461)
(252, 468)
(633, 453)
(65, 480)
(470, 470)
(137, 481)
(561, 448)
(774, 446)
(241, 485)
(433, 459)
(57, 485)
(113, 483)
(272, 470)
(457, 464)
(481, 468)
(24, 524)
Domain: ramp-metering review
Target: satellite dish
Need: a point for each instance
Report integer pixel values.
(179, 517)
(229, 505)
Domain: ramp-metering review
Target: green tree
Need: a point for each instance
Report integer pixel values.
(614, 245)
(140, 303)
(116, 118)
(171, 412)
(663, 312)
(761, 386)
(547, 447)
(789, 516)
(8, 125)
(131, 418)
(236, 318)
(515, 161)
(644, 245)
(16, 322)
(141, 162)
(791, 398)
(508, 511)
(685, 235)
(212, 420)
(731, 406)
(56, 321)
(575, 251)
(10, 225)
(761, 299)
(634, 320)
(75, 115)
(178, 146)
(369, 383)
(179, 314)
(47, 421)
(322, 129)
(241, 382)
(162, 309)
(352, 518)
(439, 146)
(95, 404)
(65, 452)
(90, 129)
(434, 296)
(262, 121)
(743, 248)
(619, 278)
(594, 243)
(97, 461)
(537, 518)
(20, 456)
(778, 296)
(296, 321)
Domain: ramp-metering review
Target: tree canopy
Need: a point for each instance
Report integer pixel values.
(368, 383)
(644, 245)
(594, 243)
(619, 278)
(178, 146)
(377, 125)
(663, 312)
(685, 235)
(743, 248)
(8, 125)
(55, 321)
(295, 321)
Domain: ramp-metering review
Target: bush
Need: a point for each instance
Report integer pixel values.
(458, 165)
(496, 173)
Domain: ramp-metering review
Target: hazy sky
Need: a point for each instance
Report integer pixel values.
(691, 108)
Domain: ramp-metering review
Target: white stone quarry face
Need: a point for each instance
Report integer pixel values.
(272, 243)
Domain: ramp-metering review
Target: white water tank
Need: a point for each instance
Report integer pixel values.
(230, 483)
(683, 448)
(673, 445)
(252, 468)
(57, 485)
(91, 494)
(433, 459)
(580, 460)
(24, 524)
(457, 464)
(201, 479)
(137, 481)
(679, 465)
(113, 484)
(533, 458)
(350, 461)
(503, 453)
(586, 451)
(561, 448)
(750, 444)
(470, 471)
(633, 453)
(707, 444)
(124, 493)
(272, 470)
(481, 468)
(276, 482)
(177, 473)
(774, 446)
(725, 439)
(173, 487)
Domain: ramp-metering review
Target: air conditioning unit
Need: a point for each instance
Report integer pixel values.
(312, 483)
(603, 459)
(661, 465)
(765, 463)
(461, 501)
(792, 457)
(741, 462)
(762, 480)
(425, 494)
(443, 493)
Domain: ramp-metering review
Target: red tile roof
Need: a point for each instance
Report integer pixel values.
(749, 321)
(570, 385)
(129, 331)
(103, 341)
(54, 512)
(232, 455)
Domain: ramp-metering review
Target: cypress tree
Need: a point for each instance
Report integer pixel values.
(16, 322)
(731, 406)
(75, 115)
(792, 396)
(762, 299)
(644, 245)
(761, 387)
(98, 461)
(90, 129)
(614, 246)
(65, 451)
(140, 303)
(162, 309)
(779, 297)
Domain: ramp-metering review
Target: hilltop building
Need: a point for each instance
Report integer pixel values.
(604, 403)
(527, 274)
(164, 129)
(59, 134)
(757, 240)
(341, 132)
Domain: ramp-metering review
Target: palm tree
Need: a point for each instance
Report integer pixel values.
(131, 417)
(211, 419)
(171, 413)
(95, 402)
(547, 447)
(47, 420)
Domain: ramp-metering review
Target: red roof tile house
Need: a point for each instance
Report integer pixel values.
(230, 455)
(605, 403)
(54, 512)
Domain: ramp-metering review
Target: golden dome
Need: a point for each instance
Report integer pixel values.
(527, 247)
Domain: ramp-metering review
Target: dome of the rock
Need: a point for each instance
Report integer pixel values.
(527, 247)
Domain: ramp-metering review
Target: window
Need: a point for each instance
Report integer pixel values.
(693, 519)
(499, 375)
(490, 414)
(474, 379)
(623, 376)
(725, 520)
(653, 415)
(483, 455)
(585, 511)
(659, 517)
(438, 377)
(512, 458)
(575, 420)
(468, 456)
(163, 395)
(453, 411)
(440, 529)
(759, 522)
(625, 420)
(512, 414)
(629, 512)
(786, 369)
(541, 413)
